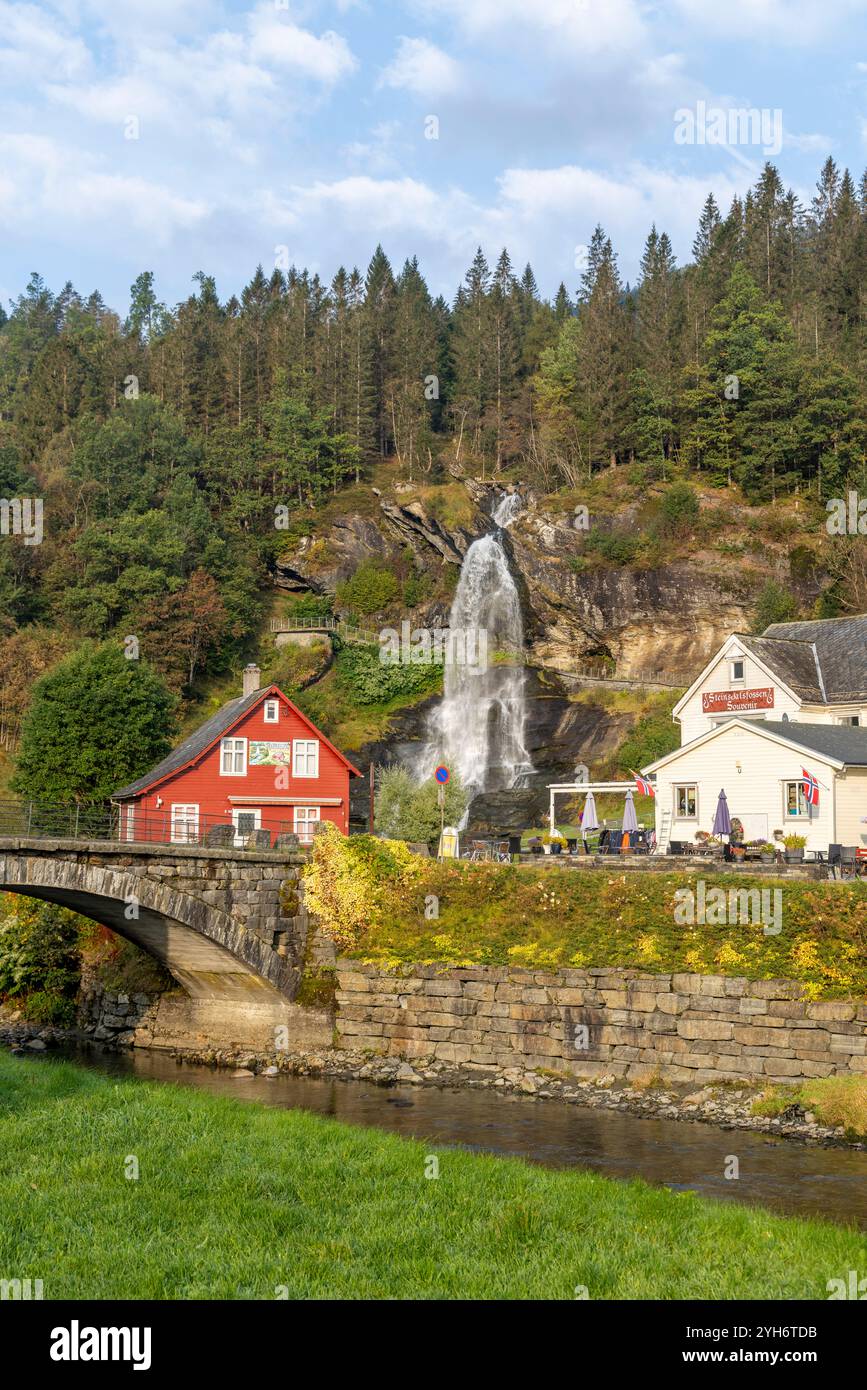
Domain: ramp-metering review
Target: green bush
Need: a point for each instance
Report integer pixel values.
(45, 1007)
(775, 605)
(678, 510)
(654, 735)
(416, 589)
(370, 590)
(802, 562)
(409, 810)
(618, 550)
(373, 682)
(38, 951)
(309, 607)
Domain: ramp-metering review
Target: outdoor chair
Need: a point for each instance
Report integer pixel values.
(571, 846)
(514, 844)
(502, 851)
(848, 861)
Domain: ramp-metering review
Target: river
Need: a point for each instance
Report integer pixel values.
(785, 1176)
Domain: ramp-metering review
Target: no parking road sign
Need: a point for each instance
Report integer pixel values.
(442, 774)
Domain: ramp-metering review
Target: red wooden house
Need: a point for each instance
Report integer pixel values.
(258, 764)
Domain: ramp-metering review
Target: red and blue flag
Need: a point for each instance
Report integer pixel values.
(811, 788)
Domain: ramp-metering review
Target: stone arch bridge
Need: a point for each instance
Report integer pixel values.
(229, 926)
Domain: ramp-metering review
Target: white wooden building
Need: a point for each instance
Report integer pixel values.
(762, 712)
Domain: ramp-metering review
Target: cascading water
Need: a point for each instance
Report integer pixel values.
(478, 726)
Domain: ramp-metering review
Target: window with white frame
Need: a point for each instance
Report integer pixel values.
(185, 824)
(738, 670)
(233, 757)
(306, 820)
(245, 821)
(797, 806)
(686, 801)
(305, 757)
(130, 821)
(272, 711)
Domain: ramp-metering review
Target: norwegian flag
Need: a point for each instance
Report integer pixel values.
(643, 787)
(811, 788)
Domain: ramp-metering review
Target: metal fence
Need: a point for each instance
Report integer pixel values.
(176, 825)
(673, 679)
(348, 631)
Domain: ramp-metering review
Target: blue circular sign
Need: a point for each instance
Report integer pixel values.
(442, 774)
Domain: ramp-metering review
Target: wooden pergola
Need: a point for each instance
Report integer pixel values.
(582, 788)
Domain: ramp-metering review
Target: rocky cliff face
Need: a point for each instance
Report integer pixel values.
(666, 619)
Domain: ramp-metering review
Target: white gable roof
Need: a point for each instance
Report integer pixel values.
(731, 644)
(756, 727)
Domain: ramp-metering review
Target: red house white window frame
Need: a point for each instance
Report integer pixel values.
(185, 823)
(233, 757)
(305, 757)
(306, 817)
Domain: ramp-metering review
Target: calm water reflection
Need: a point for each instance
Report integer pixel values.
(779, 1174)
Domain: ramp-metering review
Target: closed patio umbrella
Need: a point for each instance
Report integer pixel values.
(630, 820)
(722, 821)
(589, 820)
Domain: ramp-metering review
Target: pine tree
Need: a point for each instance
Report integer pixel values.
(472, 344)
(379, 310)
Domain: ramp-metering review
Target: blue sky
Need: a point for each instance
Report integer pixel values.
(177, 136)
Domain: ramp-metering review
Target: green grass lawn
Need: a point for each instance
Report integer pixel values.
(236, 1200)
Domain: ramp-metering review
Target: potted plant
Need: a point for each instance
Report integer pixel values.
(795, 846)
(553, 844)
(767, 853)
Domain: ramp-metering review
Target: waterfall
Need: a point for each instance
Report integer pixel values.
(478, 726)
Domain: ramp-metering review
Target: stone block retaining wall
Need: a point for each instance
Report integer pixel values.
(592, 1023)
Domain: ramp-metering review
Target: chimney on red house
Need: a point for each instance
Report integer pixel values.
(252, 675)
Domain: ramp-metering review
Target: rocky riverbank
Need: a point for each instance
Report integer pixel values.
(729, 1106)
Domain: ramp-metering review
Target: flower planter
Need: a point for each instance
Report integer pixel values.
(794, 856)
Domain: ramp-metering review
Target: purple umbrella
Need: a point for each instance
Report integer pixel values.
(630, 820)
(722, 821)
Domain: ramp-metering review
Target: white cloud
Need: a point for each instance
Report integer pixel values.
(795, 22)
(540, 214)
(585, 27)
(279, 43)
(53, 183)
(32, 43)
(422, 68)
(208, 85)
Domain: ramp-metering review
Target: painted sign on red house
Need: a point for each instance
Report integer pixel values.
(258, 764)
(737, 701)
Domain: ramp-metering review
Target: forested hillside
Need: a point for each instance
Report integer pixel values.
(180, 450)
